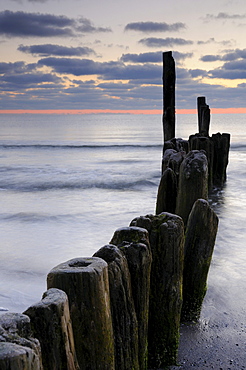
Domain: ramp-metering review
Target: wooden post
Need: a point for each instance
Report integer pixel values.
(18, 350)
(203, 116)
(199, 245)
(169, 78)
(139, 260)
(51, 324)
(221, 154)
(85, 281)
(166, 234)
(167, 192)
(198, 142)
(193, 182)
(124, 318)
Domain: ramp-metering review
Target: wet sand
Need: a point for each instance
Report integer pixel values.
(215, 343)
(218, 339)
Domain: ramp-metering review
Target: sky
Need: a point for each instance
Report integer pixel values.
(107, 54)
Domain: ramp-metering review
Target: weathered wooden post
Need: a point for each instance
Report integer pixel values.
(193, 182)
(167, 192)
(18, 349)
(139, 259)
(169, 78)
(199, 245)
(51, 325)
(166, 234)
(85, 281)
(198, 142)
(203, 116)
(221, 154)
(125, 325)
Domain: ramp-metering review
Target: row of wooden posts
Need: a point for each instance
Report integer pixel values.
(121, 309)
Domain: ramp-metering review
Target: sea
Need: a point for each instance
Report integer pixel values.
(67, 182)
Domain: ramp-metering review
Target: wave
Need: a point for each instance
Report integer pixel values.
(36, 217)
(54, 186)
(238, 147)
(76, 147)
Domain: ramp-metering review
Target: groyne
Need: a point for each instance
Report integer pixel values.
(122, 307)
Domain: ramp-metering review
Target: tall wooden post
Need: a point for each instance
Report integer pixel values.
(169, 78)
(203, 116)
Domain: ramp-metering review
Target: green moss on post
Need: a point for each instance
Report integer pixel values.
(51, 324)
(125, 325)
(199, 245)
(166, 234)
(139, 260)
(85, 281)
(193, 182)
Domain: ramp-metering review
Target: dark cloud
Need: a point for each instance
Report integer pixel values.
(159, 42)
(51, 49)
(224, 16)
(154, 26)
(34, 24)
(229, 56)
(27, 80)
(197, 73)
(230, 70)
(152, 57)
(16, 67)
(106, 70)
(138, 93)
(21, 24)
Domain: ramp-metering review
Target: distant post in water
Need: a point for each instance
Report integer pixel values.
(169, 78)
(203, 116)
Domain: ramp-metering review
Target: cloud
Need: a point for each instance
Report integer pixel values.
(58, 50)
(229, 56)
(159, 42)
(198, 73)
(152, 57)
(85, 25)
(142, 88)
(224, 16)
(154, 26)
(27, 80)
(210, 58)
(213, 41)
(105, 70)
(230, 70)
(21, 24)
(16, 67)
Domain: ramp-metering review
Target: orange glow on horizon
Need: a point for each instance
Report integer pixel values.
(117, 111)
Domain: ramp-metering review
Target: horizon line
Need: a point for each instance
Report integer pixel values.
(117, 111)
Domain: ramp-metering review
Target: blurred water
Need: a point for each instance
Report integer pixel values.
(67, 182)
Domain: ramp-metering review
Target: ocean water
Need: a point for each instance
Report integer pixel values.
(67, 182)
